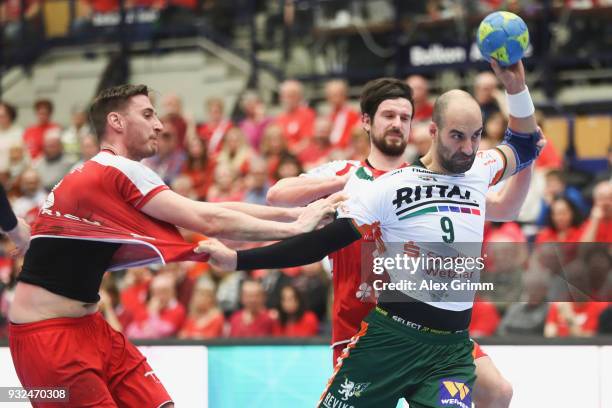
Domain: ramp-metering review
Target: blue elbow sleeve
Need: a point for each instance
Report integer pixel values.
(524, 145)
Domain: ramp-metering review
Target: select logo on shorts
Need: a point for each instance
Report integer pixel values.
(455, 393)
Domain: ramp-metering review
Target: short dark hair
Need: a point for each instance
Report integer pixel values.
(10, 110)
(577, 216)
(381, 89)
(43, 103)
(109, 100)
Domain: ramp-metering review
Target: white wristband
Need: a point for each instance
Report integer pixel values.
(520, 105)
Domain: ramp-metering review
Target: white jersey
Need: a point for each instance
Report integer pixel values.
(424, 214)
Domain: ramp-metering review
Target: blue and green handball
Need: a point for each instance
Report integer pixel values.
(504, 37)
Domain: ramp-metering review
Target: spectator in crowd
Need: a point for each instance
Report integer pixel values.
(595, 267)
(11, 134)
(253, 320)
(54, 164)
(173, 112)
(420, 141)
(273, 148)
(169, 160)
(88, 148)
(18, 162)
(563, 223)
(32, 196)
(228, 285)
(255, 120)
(576, 319)
(293, 318)
(359, 149)
(110, 307)
(549, 158)
(488, 95)
(205, 320)
(297, 119)
(605, 321)
(184, 186)
(34, 136)
(598, 227)
(423, 108)
(199, 166)
(257, 182)
(556, 186)
(528, 317)
(318, 150)
(342, 118)
(495, 128)
(79, 128)
(288, 166)
(236, 152)
(162, 315)
(313, 284)
(135, 289)
(485, 318)
(213, 131)
(226, 186)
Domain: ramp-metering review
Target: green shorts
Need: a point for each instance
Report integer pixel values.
(388, 360)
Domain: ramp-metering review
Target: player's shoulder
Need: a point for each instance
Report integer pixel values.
(334, 167)
(133, 170)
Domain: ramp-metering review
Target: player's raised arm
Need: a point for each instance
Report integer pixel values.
(520, 142)
(303, 249)
(213, 219)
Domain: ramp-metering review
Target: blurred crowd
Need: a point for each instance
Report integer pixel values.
(238, 158)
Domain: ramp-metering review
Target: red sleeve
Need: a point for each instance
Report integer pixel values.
(128, 190)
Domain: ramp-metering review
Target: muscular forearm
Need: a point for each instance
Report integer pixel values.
(301, 250)
(236, 225)
(262, 212)
(298, 191)
(506, 204)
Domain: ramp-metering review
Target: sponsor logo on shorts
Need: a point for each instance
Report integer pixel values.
(455, 393)
(348, 390)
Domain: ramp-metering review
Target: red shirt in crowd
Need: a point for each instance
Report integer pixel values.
(203, 328)
(423, 112)
(343, 121)
(307, 326)
(34, 135)
(213, 135)
(166, 323)
(485, 318)
(604, 230)
(587, 314)
(262, 325)
(297, 125)
(548, 234)
(549, 158)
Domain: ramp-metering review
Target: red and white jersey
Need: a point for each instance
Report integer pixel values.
(101, 200)
(353, 293)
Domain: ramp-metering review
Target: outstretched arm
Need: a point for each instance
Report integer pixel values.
(297, 191)
(263, 212)
(300, 250)
(215, 220)
(520, 146)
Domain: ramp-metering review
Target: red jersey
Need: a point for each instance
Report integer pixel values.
(297, 125)
(34, 136)
(354, 296)
(604, 230)
(343, 121)
(101, 200)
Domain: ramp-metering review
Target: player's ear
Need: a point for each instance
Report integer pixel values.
(365, 122)
(115, 121)
(433, 130)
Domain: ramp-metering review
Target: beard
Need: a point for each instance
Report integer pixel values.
(388, 147)
(454, 163)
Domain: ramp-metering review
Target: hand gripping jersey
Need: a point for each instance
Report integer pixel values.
(354, 296)
(101, 201)
(428, 215)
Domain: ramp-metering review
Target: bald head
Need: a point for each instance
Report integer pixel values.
(456, 102)
(336, 92)
(291, 94)
(602, 198)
